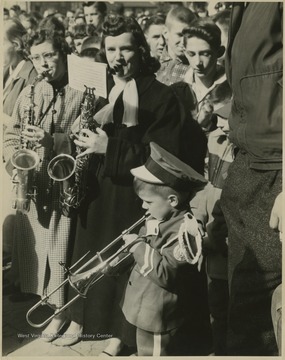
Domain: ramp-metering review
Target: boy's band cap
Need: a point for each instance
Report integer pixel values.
(164, 168)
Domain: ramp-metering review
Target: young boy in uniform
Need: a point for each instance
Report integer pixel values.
(166, 287)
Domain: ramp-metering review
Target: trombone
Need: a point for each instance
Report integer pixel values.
(83, 281)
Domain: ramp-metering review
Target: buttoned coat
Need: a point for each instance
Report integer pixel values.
(163, 289)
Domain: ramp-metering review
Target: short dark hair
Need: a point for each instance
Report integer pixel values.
(181, 14)
(89, 52)
(205, 29)
(115, 25)
(79, 31)
(100, 6)
(222, 93)
(52, 30)
(154, 20)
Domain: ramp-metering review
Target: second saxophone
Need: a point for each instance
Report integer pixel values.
(72, 173)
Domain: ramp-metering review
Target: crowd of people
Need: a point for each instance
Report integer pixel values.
(190, 135)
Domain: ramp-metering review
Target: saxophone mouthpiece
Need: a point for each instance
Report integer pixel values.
(42, 75)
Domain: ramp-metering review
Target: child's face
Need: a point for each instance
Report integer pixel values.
(201, 57)
(223, 124)
(157, 205)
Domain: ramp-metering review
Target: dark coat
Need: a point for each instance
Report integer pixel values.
(159, 120)
(256, 81)
(25, 77)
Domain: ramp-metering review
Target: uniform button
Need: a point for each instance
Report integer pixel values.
(45, 208)
(130, 283)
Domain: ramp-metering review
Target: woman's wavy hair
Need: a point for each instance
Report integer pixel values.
(52, 30)
(115, 25)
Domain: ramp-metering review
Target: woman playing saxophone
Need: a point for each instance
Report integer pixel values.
(42, 236)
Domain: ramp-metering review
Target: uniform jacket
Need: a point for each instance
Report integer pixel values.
(25, 77)
(256, 81)
(155, 290)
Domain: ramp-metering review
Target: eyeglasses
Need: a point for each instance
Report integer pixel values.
(46, 56)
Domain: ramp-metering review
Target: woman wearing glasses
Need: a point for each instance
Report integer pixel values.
(43, 235)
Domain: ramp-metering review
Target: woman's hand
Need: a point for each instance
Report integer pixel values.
(92, 142)
(38, 136)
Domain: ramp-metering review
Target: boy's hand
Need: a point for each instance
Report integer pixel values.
(129, 239)
(275, 221)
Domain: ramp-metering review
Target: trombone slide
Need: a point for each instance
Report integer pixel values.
(83, 281)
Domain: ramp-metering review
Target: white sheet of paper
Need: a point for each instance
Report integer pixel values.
(83, 72)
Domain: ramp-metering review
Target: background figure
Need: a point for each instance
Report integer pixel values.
(6, 15)
(141, 110)
(43, 235)
(18, 73)
(154, 33)
(95, 12)
(173, 62)
(29, 22)
(79, 34)
(90, 47)
(206, 208)
(222, 20)
(252, 195)
(203, 49)
(15, 11)
(18, 69)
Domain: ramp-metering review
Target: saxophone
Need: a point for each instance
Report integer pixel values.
(25, 159)
(72, 173)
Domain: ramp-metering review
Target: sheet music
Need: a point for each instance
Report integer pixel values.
(85, 72)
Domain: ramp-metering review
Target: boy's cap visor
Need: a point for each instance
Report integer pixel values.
(164, 168)
(143, 174)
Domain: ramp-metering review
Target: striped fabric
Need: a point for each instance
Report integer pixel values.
(148, 261)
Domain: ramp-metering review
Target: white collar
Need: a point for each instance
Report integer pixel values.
(15, 72)
(200, 90)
